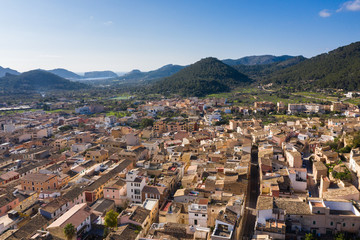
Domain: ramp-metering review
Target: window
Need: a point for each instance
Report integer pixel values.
(203, 215)
(196, 214)
(344, 224)
(318, 211)
(353, 224)
(314, 222)
(332, 223)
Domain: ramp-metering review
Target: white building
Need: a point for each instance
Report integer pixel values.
(354, 162)
(110, 120)
(135, 182)
(225, 225)
(198, 213)
(298, 178)
(9, 128)
(44, 133)
(80, 147)
(303, 137)
(212, 117)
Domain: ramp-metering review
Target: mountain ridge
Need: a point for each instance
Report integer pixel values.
(100, 74)
(37, 80)
(339, 68)
(209, 75)
(164, 71)
(64, 73)
(257, 60)
(4, 71)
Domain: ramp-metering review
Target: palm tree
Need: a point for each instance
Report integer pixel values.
(69, 231)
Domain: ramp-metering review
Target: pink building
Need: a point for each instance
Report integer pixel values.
(116, 191)
(8, 202)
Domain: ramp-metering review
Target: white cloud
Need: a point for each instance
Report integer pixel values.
(324, 13)
(350, 6)
(108, 23)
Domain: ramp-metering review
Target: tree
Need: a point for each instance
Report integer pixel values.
(310, 236)
(111, 219)
(340, 236)
(69, 231)
(146, 122)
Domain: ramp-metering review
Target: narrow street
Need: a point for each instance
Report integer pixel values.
(249, 218)
(312, 186)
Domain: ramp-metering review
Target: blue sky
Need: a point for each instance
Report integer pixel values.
(84, 35)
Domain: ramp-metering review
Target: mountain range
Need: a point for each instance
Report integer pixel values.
(165, 71)
(64, 73)
(36, 80)
(337, 69)
(259, 71)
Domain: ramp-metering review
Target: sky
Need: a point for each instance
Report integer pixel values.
(118, 35)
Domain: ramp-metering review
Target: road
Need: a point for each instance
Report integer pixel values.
(249, 218)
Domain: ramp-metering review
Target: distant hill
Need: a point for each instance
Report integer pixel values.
(65, 73)
(338, 69)
(257, 60)
(260, 71)
(4, 71)
(37, 80)
(206, 76)
(137, 75)
(100, 74)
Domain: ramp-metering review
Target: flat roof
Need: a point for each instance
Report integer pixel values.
(150, 203)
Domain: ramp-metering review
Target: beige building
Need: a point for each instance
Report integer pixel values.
(293, 158)
(319, 169)
(275, 216)
(325, 154)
